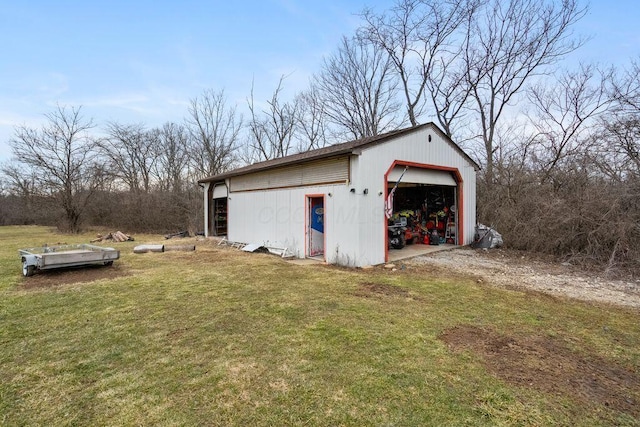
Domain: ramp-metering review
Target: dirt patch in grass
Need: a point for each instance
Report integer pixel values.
(368, 290)
(67, 276)
(549, 366)
(203, 254)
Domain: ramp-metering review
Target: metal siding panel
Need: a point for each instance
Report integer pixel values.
(369, 210)
(313, 173)
(342, 228)
(286, 221)
(277, 217)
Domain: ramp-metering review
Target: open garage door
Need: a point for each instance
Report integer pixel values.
(424, 208)
(217, 209)
(422, 176)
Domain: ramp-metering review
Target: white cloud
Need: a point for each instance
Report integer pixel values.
(10, 119)
(129, 101)
(52, 85)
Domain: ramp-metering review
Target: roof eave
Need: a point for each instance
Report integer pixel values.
(352, 148)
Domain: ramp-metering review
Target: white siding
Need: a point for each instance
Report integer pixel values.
(355, 225)
(277, 218)
(368, 171)
(325, 171)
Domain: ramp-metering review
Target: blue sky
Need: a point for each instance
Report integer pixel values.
(141, 61)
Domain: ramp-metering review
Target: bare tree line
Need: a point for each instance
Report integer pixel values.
(490, 73)
(132, 177)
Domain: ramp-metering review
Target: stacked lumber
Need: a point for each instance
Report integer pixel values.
(117, 236)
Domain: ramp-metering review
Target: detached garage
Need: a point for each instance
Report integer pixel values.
(351, 203)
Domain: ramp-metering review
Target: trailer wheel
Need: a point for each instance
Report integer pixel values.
(108, 263)
(27, 270)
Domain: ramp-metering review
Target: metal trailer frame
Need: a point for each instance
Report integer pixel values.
(50, 257)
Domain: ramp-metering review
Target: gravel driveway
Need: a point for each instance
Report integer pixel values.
(512, 269)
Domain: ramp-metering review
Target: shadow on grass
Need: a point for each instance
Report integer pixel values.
(71, 275)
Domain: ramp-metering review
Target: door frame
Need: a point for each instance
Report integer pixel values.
(307, 224)
(457, 176)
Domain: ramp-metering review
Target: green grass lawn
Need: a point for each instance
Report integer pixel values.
(221, 337)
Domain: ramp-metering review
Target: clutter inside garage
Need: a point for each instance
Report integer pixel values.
(421, 214)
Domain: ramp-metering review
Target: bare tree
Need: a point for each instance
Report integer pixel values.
(626, 90)
(509, 42)
(619, 154)
(564, 113)
(172, 157)
(448, 93)
(311, 121)
(131, 151)
(359, 90)
(417, 36)
(20, 180)
(61, 155)
(214, 129)
(272, 130)
(4, 185)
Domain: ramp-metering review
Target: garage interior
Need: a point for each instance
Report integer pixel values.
(424, 217)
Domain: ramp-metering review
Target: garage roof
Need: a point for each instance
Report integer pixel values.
(333, 151)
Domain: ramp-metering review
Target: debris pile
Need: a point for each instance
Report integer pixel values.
(117, 236)
(486, 238)
(178, 234)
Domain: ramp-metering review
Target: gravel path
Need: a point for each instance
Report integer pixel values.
(513, 270)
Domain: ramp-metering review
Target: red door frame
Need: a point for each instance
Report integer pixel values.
(307, 212)
(459, 203)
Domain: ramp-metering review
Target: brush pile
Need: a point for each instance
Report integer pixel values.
(117, 236)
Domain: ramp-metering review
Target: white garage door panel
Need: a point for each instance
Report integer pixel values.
(422, 176)
(219, 191)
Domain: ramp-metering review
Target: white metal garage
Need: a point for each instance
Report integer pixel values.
(330, 202)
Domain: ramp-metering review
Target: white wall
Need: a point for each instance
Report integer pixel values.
(277, 218)
(368, 172)
(355, 225)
